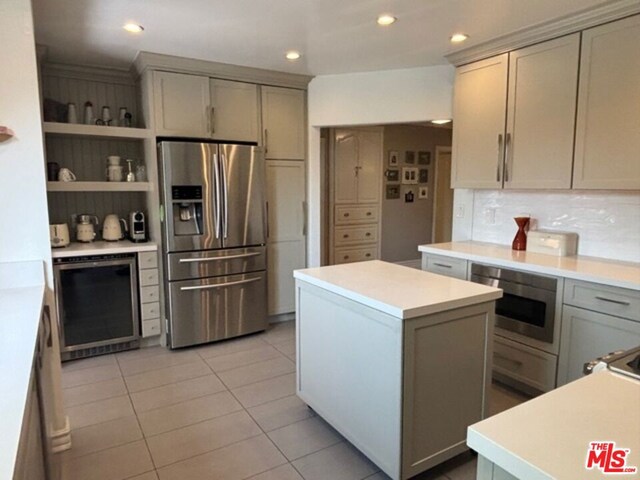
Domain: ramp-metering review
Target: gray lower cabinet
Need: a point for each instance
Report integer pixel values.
(587, 335)
(30, 461)
(442, 265)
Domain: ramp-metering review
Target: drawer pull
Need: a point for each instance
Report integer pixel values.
(219, 285)
(346, 257)
(368, 234)
(510, 360)
(216, 259)
(346, 214)
(368, 255)
(611, 300)
(345, 236)
(443, 265)
(368, 214)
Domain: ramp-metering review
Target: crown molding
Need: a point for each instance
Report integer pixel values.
(145, 61)
(89, 72)
(574, 22)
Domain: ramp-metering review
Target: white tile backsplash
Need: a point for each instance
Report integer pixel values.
(607, 223)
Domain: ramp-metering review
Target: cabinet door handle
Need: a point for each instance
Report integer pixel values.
(304, 218)
(611, 300)
(267, 219)
(213, 120)
(266, 141)
(507, 156)
(443, 265)
(499, 157)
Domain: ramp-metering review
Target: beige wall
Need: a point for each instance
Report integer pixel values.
(407, 225)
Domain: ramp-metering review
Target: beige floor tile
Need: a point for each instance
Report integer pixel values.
(104, 435)
(380, 476)
(145, 476)
(93, 392)
(230, 361)
(339, 462)
(502, 397)
(305, 437)
(235, 462)
(280, 413)
(266, 391)
(257, 372)
(86, 376)
(141, 353)
(164, 419)
(202, 437)
(227, 347)
(288, 348)
(280, 332)
(116, 463)
(285, 472)
(176, 393)
(167, 375)
(100, 361)
(140, 365)
(98, 412)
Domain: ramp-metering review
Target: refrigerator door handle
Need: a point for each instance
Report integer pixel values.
(220, 285)
(225, 222)
(216, 259)
(217, 210)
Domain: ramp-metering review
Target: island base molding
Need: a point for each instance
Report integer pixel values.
(403, 391)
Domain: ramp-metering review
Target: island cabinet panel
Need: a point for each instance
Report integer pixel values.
(445, 383)
(403, 391)
(349, 368)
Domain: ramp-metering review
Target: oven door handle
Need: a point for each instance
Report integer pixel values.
(215, 259)
(219, 285)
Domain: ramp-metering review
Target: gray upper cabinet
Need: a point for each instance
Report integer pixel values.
(199, 107)
(514, 118)
(283, 123)
(182, 105)
(479, 105)
(607, 149)
(541, 109)
(234, 111)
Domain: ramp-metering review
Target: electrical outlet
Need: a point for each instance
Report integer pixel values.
(460, 211)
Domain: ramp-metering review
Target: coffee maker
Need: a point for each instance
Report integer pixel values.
(137, 227)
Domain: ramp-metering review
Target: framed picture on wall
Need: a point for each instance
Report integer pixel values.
(393, 175)
(393, 158)
(409, 175)
(423, 176)
(424, 158)
(410, 157)
(392, 192)
(423, 193)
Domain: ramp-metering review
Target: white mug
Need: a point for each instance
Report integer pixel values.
(113, 160)
(66, 175)
(114, 173)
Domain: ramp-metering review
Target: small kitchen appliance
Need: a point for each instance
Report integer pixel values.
(59, 235)
(624, 362)
(113, 228)
(560, 244)
(137, 227)
(85, 227)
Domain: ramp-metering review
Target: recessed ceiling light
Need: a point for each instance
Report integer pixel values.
(441, 122)
(459, 37)
(133, 28)
(386, 19)
(293, 55)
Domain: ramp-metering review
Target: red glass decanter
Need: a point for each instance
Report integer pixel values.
(520, 240)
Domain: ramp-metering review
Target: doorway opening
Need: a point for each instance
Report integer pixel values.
(386, 190)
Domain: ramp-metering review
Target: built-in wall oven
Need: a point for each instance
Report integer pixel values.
(97, 304)
(527, 327)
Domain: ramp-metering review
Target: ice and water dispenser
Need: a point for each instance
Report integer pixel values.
(187, 210)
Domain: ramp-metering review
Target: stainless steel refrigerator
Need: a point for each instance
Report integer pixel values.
(214, 232)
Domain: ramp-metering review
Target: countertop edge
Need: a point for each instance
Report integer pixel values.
(532, 267)
(102, 248)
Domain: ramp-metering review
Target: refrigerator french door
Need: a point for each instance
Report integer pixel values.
(214, 240)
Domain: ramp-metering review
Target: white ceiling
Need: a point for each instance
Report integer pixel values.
(334, 36)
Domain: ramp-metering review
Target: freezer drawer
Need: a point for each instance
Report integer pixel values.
(213, 263)
(211, 309)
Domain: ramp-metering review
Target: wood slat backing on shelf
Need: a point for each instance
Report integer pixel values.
(87, 157)
(62, 205)
(78, 91)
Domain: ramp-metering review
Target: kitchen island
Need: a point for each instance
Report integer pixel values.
(396, 359)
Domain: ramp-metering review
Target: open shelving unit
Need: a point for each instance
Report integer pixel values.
(96, 131)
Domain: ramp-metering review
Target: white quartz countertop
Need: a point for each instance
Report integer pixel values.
(548, 437)
(102, 248)
(21, 299)
(397, 290)
(578, 267)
